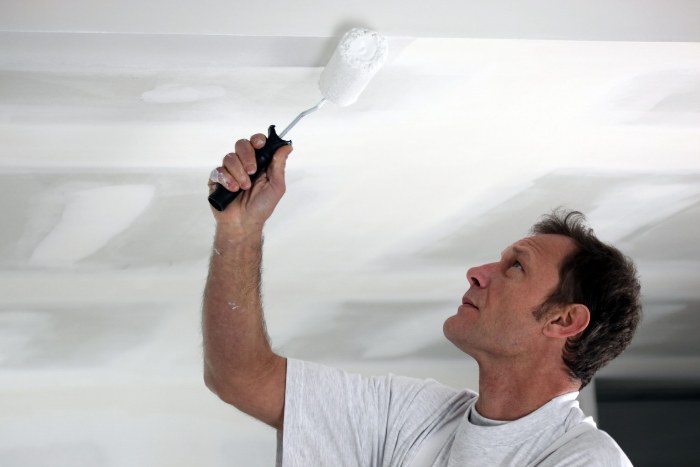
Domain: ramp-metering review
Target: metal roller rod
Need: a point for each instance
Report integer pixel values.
(302, 115)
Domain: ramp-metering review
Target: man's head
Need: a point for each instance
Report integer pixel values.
(561, 292)
(603, 279)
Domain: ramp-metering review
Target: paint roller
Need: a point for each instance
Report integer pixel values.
(359, 55)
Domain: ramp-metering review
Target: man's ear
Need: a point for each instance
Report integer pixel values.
(568, 321)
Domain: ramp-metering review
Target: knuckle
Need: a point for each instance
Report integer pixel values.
(229, 159)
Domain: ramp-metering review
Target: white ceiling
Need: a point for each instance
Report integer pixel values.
(112, 115)
(670, 20)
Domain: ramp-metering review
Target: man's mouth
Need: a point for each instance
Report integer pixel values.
(467, 301)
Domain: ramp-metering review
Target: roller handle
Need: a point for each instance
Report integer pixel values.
(221, 197)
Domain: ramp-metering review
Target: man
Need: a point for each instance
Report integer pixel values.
(540, 322)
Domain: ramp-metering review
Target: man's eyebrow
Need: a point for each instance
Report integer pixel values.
(523, 252)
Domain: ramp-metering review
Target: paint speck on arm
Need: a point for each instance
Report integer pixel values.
(217, 252)
(233, 306)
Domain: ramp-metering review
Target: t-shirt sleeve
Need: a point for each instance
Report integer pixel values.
(334, 418)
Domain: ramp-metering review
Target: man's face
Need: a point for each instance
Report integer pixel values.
(495, 318)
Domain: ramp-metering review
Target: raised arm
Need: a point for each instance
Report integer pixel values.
(239, 365)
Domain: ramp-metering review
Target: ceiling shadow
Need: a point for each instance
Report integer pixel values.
(356, 330)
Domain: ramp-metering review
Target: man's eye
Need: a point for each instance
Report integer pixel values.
(516, 264)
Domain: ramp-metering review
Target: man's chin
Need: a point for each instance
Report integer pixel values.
(447, 330)
(452, 334)
(450, 331)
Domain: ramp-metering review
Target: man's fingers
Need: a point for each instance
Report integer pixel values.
(215, 176)
(246, 154)
(221, 176)
(234, 167)
(258, 140)
(238, 166)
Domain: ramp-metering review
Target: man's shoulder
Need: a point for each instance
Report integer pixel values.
(430, 396)
(591, 447)
(409, 395)
(430, 385)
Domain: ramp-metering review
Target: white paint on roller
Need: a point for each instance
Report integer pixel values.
(90, 219)
(178, 94)
(357, 58)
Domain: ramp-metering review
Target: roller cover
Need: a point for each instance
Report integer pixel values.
(357, 58)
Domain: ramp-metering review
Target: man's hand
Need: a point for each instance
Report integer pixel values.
(254, 206)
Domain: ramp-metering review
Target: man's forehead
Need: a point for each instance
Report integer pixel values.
(545, 245)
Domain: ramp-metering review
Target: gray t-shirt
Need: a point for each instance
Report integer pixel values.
(333, 418)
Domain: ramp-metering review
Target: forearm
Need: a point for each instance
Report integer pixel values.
(236, 346)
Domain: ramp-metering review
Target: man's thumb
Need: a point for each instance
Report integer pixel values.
(275, 173)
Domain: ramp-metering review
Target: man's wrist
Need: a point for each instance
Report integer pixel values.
(239, 230)
(239, 238)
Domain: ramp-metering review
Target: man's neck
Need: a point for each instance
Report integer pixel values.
(510, 393)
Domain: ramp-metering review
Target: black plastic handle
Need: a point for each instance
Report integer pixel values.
(221, 197)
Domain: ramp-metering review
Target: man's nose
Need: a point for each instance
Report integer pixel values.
(480, 276)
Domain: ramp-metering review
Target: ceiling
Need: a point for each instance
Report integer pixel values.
(487, 115)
